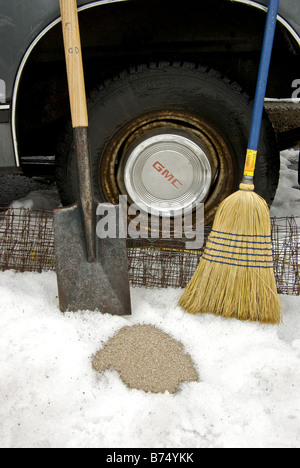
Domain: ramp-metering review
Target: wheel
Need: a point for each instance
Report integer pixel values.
(169, 136)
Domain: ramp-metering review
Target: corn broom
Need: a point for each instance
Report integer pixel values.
(235, 277)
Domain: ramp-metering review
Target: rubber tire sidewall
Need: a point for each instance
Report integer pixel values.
(185, 87)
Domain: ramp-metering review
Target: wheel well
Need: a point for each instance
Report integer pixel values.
(117, 35)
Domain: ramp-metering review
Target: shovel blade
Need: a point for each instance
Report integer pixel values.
(100, 285)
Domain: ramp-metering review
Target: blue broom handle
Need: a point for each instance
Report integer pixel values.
(261, 87)
(263, 75)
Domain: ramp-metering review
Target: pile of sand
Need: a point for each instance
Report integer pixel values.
(146, 359)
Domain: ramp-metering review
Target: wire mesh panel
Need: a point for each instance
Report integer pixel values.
(26, 240)
(167, 264)
(161, 263)
(286, 254)
(27, 244)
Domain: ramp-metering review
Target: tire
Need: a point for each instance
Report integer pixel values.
(182, 97)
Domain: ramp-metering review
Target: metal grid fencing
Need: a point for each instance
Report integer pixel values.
(26, 240)
(27, 244)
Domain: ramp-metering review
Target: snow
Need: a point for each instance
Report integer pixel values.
(38, 200)
(247, 395)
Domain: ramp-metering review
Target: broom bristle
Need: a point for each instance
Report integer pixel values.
(235, 277)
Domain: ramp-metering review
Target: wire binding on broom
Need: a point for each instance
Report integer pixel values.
(216, 255)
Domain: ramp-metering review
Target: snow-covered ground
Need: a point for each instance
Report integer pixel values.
(249, 374)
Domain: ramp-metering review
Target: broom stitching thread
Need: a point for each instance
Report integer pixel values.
(236, 264)
(240, 235)
(238, 240)
(241, 246)
(241, 253)
(235, 259)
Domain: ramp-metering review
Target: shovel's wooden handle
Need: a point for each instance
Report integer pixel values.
(72, 45)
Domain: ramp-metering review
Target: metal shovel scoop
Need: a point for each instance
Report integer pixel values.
(92, 273)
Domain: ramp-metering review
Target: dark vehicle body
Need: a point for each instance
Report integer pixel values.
(224, 35)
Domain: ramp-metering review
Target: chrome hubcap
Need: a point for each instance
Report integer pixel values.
(167, 171)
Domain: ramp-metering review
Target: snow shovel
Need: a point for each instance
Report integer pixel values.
(92, 273)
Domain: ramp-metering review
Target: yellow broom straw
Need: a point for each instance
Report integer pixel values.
(235, 277)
